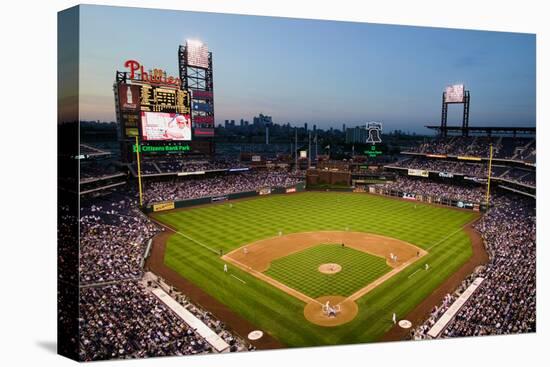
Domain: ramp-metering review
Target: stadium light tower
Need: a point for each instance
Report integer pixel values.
(196, 74)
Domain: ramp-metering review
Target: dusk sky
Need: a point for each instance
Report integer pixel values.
(321, 72)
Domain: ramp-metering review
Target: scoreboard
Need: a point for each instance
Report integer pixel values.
(137, 98)
(158, 99)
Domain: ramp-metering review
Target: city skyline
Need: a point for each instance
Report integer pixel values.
(326, 73)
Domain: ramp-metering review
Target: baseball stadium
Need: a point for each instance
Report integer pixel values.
(195, 239)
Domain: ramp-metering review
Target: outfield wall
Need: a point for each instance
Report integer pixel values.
(431, 199)
(178, 204)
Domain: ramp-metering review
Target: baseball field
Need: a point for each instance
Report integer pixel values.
(287, 255)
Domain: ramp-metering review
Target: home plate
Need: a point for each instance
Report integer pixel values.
(255, 335)
(405, 324)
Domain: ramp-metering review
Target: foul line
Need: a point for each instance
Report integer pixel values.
(452, 234)
(369, 287)
(239, 279)
(186, 236)
(410, 276)
(269, 280)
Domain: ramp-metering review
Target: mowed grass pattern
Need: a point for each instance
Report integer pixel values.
(220, 226)
(300, 270)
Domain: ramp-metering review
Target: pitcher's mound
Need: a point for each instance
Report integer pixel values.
(329, 268)
(347, 311)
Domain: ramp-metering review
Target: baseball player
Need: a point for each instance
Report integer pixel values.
(394, 318)
(225, 268)
(426, 267)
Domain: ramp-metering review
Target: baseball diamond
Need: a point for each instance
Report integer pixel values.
(274, 245)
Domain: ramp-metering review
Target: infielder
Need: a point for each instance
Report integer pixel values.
(394, 318)
(225, 268)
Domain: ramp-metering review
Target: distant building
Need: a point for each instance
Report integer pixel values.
(305, 126)
(357, 134)
(262, 120)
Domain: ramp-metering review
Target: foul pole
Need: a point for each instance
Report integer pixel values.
(489, 175)
(309, 150)
(139, 173)
(295, 148)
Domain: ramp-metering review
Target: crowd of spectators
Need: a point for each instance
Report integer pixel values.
(119, 316)
(179, 189)
(173, 165)
(198, 165)
(235, 344)
(503, 147)
(437, 165)
(518, 175)
(505, 303)
(421, 186)
(125, 320)
(113, 236)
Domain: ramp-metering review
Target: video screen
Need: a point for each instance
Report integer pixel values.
(165, 126)
(454, 93)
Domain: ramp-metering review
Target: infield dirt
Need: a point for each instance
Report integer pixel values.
(256, 257)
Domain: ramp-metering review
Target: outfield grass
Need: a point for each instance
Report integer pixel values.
(300, 270)
(223, 227)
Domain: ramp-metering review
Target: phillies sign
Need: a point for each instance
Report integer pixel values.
(152, 76)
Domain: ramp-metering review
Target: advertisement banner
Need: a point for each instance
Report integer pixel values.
(409, 196)
(436, 155)
(128, 96)
(265, 191)
(465, 205)
(215, 199)
(418, 172)
(131, 132)
(203, 120)
(204, 107)
(446, 175)
(163, 206)
(476, 179)
(290, 190)
(191, 173)
(165, 126)
(199, 131)
(201, 94)
(161, 148)
(468, 158)
(130, 118)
